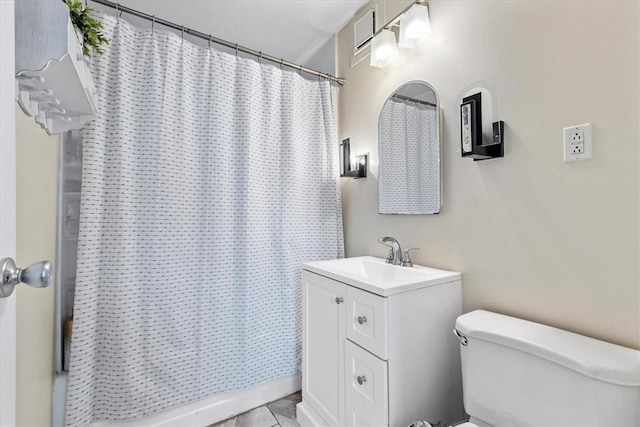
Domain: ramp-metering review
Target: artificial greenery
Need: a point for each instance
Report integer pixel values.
(93, 39)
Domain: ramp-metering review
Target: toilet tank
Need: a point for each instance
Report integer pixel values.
(521, 373)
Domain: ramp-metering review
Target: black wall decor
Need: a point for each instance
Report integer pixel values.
(348, 170)
(471, 138)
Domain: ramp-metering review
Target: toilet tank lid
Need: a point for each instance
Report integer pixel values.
(597, 359)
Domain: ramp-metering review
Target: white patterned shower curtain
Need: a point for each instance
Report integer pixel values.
(207, 181)
(410, 132)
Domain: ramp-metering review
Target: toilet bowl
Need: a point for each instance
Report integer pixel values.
(521, 373)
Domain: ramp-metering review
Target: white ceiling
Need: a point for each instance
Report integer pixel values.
(289, 29)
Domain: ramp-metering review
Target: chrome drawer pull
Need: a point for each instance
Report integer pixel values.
(339, 300)
(362, 319)
(361, 379)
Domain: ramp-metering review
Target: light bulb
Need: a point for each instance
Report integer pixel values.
(415, 26)
(383, 49)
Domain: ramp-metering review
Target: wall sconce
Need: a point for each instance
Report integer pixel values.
(414, 27)
(352, 167)
(474, 142)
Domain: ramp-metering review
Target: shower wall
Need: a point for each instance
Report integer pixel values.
(70, 183)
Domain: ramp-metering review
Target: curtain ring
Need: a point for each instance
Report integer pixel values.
(120, 16)
(117, 10)
(236, 50)
(281, 63)
(260, 58)
(182, 32)
(153, 23)
(300, 69)
(210, 37)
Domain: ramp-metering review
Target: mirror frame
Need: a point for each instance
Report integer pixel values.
(439, 142)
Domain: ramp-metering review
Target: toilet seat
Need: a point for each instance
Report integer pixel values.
(467, 424)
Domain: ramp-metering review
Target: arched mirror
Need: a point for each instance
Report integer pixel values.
(409, 151)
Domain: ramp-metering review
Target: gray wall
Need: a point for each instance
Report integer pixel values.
(534, 237)
(324, 59)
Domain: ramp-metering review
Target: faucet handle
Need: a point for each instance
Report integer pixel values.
(406, 259)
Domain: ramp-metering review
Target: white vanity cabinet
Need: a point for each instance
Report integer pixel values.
(379, 350)
(323, 345)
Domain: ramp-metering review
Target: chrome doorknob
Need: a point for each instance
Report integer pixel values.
(362, 320)
(38, 275)
(361, 379)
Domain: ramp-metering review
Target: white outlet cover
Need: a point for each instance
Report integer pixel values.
(567, 140)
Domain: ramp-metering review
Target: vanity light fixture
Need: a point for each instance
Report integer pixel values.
(383, 49)
(414, 26)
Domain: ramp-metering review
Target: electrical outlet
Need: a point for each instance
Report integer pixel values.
(577, 142)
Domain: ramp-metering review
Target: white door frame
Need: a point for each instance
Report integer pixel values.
(7, 211)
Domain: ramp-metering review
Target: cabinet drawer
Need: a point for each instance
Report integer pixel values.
(367, 321)
(358, 417)
(366, 385)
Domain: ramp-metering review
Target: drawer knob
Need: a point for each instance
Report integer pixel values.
(339, 300)
(361, 379)
(362, 319)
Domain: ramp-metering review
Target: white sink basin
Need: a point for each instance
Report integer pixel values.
(374, 275)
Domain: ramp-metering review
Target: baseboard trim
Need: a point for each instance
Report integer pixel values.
(217, 408)
(307, 416)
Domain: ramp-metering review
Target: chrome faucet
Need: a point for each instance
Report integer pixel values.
(395, 252)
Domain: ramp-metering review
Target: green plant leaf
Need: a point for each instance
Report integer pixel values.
(93, 39)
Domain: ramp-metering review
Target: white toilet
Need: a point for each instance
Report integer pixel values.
(519, 373)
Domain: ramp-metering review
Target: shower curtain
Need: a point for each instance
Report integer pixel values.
(207, 181)
(410, 132)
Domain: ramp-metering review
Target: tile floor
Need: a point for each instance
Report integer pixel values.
(279, 413)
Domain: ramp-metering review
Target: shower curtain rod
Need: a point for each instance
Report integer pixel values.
(211, 39)
(409, 99)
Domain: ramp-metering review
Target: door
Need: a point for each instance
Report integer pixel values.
(323, 338)
(7, 211)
